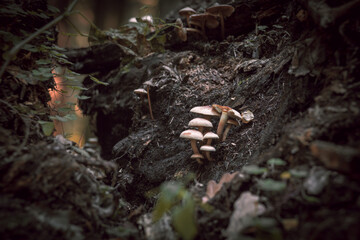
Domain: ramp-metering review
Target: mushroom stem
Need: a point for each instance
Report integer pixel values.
(194, 146)
(208, 157)
(222, 26)
(150, 109)
(223, 119)
(226, 131)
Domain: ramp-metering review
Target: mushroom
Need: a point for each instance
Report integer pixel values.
(209, 137)
(197, 157)
(223, 119)
(193, 135)
(141, 92)
(187, 12)
(247, 116)
(182, 32)
(207, 149)
(200, 123)
(228, 126)
(199, 20)
(222, 11)
(211, 21)
(148, 84)
(206, 111)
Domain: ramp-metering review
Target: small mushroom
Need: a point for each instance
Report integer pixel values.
(200, 123)
(197, 157)
(207, 149)
(211, 21)
(199, 19)
(182, 31)
(228, 126)
(247, 116)
(193, 135)
(209, 137)
(223, 119)
(206, 111)
(222, 11)
(187, 12)
(148, 84)
(141, 93)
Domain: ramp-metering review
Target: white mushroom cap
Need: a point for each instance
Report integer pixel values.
(207, 148)
(192, 134)
(205, 110)
(140, 91)
(200, 122)
(196, 156)
(234, 114)
(211, 135)
(247, 116)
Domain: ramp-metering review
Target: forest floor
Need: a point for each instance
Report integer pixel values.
(290, 173)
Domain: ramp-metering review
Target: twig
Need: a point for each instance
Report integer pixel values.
(17, 47)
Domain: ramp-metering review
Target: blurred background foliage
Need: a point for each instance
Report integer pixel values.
(73, 32)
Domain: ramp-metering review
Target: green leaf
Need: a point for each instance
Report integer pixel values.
(254, 170)
(184, 219)
(298, 173)
(43, 61)
(59, 118)
(47, 127)
(271, 185)
(98, 81)
(78, 88)
(170, 193)
(82, 97)
(276, 162)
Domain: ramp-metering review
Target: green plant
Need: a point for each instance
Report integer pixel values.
(179, 202)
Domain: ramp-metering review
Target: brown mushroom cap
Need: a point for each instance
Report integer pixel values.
(200, 122)
(186, 12)
(211, 21)
(221, 9)
(247, 116)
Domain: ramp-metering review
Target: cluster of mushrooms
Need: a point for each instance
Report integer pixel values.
(196, 22)
(202, 132)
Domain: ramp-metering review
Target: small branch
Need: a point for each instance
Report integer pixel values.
(17, 47)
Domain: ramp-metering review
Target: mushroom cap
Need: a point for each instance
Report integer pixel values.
(199, 17)
(186, 11)
(220, 108)
(140, 91)
(221, 9)
(197, 155)
(149, 83)
(211, 21)
(247, 116)
(234, 114)
(207, 148)
(232, 122)
(205, 110)
(192, 134)
(211, 135)
(200, 122)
